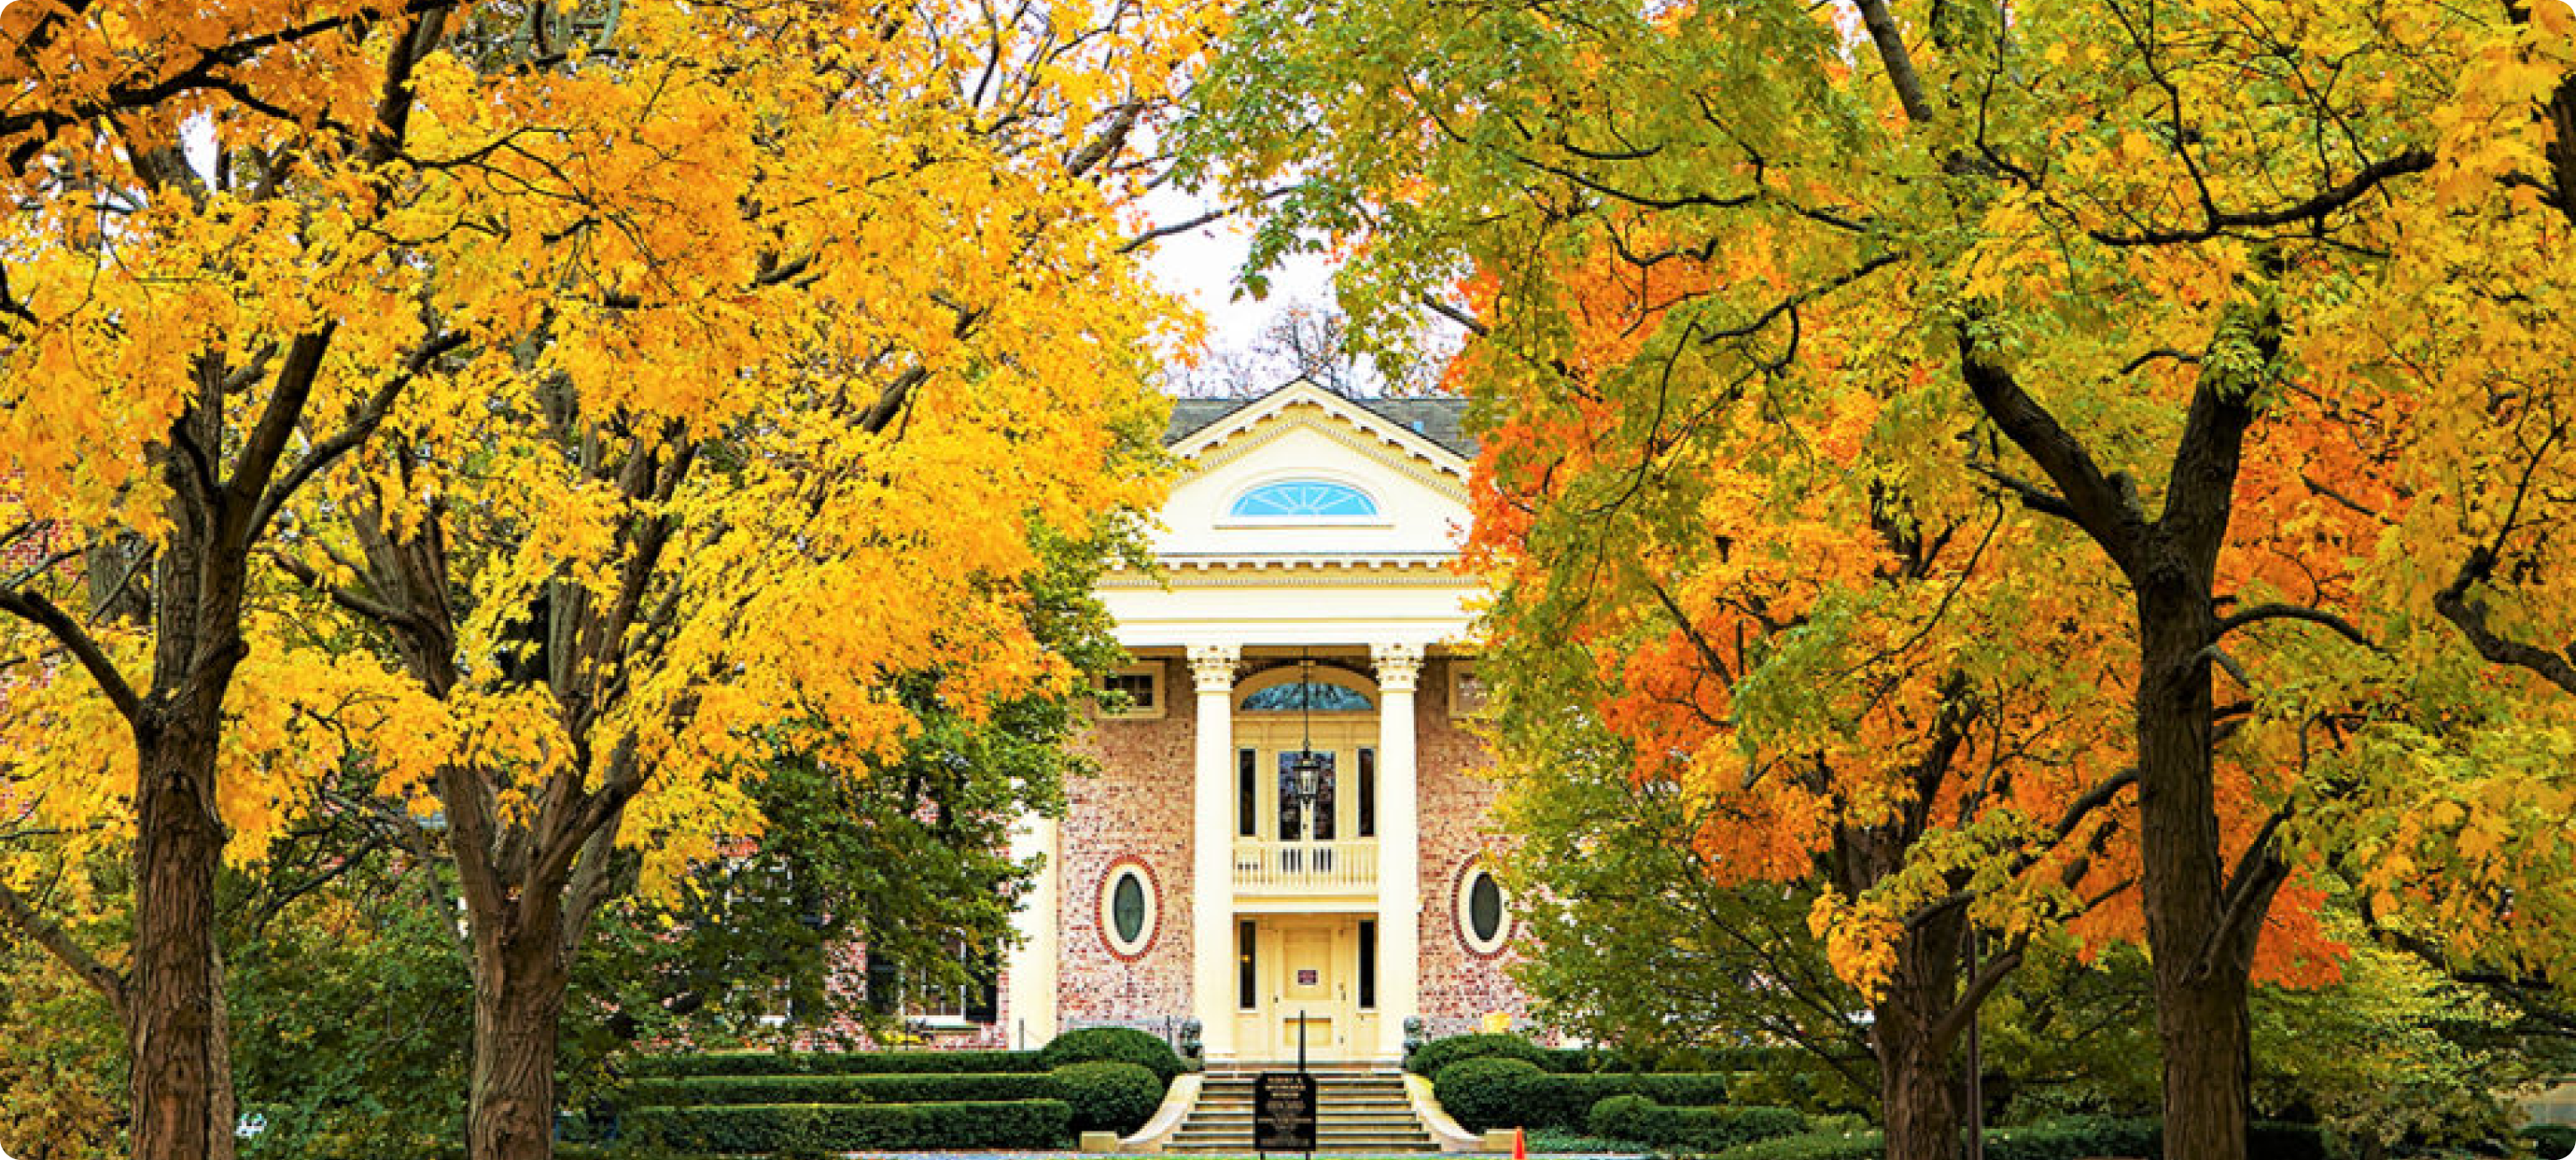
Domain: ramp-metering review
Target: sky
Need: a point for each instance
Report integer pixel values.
(1202, 266)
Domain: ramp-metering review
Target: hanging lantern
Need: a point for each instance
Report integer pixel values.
(1306, 769)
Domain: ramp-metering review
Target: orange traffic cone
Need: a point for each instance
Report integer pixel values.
(1520, 1144)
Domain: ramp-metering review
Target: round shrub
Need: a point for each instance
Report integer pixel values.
(1121, 1044)
(1431, 1058)
(2551, 1140)
(1110, 1096)
(1629, 1119)
(1485, 1093)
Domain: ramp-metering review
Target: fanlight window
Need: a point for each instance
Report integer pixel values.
(1306, 696)
(1305, 498)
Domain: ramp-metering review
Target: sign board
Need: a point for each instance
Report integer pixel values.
(1308, 977)
(1283, 1112)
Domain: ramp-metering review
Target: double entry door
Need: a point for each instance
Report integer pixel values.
(1306, 975)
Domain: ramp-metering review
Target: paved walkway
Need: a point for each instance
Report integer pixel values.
(1214, 1155)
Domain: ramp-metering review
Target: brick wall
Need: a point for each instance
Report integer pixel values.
(1458, 986)
(1137, 807)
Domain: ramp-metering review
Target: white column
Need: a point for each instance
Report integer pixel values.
(1399, 845)
(1031, 1017)
(1212, 850)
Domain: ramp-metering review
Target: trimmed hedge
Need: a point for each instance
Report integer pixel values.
(1509, 1092)
(1428, 1059)
(835, 1063)
(1815, 1146)
(1109, 1096)
(2077, 1138)
(1120, 1044)
(2550, 1140)
(1432, 1058)
(1485, 1092)
(850, 1127)
(1638, 1119)
(925, 1088)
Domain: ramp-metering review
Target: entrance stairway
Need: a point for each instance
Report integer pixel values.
(1358, 1108)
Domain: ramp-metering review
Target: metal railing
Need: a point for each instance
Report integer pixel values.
(1348, 866)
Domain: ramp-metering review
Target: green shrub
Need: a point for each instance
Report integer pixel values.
(850, 1127)
(924, 1088)
(1528, 1097)
(1110, 1096)
(2077, 1138)
(2273, 1140)
(1122, 1044)
(1812, 1146)
(2549, 1140)
(1432, 1058)
(835, 1063)
(1486, 1092)
(1640, 1120)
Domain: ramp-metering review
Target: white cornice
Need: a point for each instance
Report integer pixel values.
(1358, 569)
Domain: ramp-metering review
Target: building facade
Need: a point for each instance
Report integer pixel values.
(1291, 837)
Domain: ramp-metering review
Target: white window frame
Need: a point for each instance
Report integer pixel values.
(1152, 671)
(1462, 677)
(1462, 912)
(1104, 909)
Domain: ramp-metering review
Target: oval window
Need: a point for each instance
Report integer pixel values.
(1484, 920)
(1127, 908)
(1485, 909)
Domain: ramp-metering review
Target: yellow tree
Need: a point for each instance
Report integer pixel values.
(191, 261)
(711, 500)
(693, 328)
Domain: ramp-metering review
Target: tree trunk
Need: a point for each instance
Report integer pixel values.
(518, 1008)
(1918, 1090)
(181, 1082)
(181, 1078)
(2200, 983)
(1911, 1031)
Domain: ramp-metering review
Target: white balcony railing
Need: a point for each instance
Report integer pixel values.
(1344, 867)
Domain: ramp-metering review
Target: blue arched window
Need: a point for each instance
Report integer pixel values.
(1301, 696)
(1309, 498)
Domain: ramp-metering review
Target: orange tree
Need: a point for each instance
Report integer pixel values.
(2107, 260)
(679, 333)
(1867, 675)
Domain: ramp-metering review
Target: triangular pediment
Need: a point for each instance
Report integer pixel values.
(1302, 401)
(1303, 436)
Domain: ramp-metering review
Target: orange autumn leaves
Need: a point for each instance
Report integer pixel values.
(1789, 598)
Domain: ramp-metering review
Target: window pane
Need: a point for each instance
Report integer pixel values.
(1368, 965)
(1303, 696)
(1137, 687)
(1485, 908)
(1127, 909)
(1368, 793)
(1247, 805)
(1244, 975)
(1311, 498)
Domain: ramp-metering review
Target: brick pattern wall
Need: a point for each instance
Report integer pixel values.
(1458, 986)
(1139, 807)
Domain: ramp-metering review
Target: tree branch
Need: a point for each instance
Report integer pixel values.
(33, 608)
(2263, 612)
(60, 943)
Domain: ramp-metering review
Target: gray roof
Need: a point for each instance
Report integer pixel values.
(1436, 418)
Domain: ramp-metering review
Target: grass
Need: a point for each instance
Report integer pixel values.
(1562, 1140)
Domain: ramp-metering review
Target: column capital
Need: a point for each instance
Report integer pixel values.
(1399, 666)
(1212, 666)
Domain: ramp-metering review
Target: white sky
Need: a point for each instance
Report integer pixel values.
(1203, 266)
